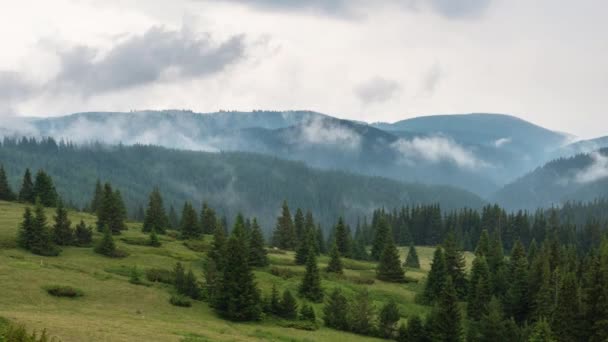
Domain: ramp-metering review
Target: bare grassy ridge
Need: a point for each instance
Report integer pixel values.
(112, 309)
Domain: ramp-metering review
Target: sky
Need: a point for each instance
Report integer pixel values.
(545, 61)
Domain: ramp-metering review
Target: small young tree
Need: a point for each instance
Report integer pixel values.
(134, 277)
(335, 311)
(414, 332)
(389, 317)
(411, 261)
(335, 263)
(191, 288)
(155, 218)
(258, 257)
(63, 234)
(275, 301)
(389, 268)
(289, 306)
(153, 239)
(106, 245)
(83, 235)
(42, 243)
(436, 277)
(362, 314)
(189, 225)
(310, 287)
(307, 313)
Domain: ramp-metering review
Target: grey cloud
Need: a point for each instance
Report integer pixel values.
(376, 90)
(13, 86)
(431, 79)
(460, 8)
(146, 58)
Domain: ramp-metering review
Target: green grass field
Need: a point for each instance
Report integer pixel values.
(112, 309)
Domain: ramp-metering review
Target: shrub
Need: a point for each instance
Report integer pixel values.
(284, 273)
(63, 291)
(182, 301)
(18, 333)
(300, 325)
(160, 275)
(135, 277)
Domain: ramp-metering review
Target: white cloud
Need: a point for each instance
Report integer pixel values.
(437, 149)
(328, 132)
(596, 171)
(377, 89)
(502, 141)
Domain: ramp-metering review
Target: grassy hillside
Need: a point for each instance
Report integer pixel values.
(112, 309)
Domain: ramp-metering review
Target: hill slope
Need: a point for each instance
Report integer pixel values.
(230, 182)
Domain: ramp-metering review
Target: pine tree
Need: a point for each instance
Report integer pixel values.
(343, 239)
(389, 267)
(483, 245)
(541, 332)
(63, 234)
(455, 265)
(381, 234)
(388, 319)
(189, 225)
(307, 313)
(83, 235)
(480, 291)
(517, 302)
(6, 193)
(153, 239)
(310, 287)
(110, 212)
(191, 288)
(155, 219)
(289, 306)
(217, 253)
(299, 225)
(306, 243)
(335, 263)
(26, 194)
(258, 257)
(42, 243)
(179, 278)
(447, 321)
(208, 219)
(45, 190)
(284, 235)
(411, 261)
(414, 332)
(238, 297)
(26, 230)
(436, 277)
(493, 327)
(275, 301)
(335, 311)
(362, 314)
(567, 319)
(106, 245)
(97, 197)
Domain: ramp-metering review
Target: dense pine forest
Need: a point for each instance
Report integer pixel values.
(534, 277)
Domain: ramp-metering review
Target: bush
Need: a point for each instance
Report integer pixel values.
(300, 325)
(63, 291)
(160, 275)
(182, 301)
(284, 273)
(18, 333)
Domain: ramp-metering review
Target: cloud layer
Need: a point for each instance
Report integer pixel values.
(437, 149)
(377, 89)
(596, 171)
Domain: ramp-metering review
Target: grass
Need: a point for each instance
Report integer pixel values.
(113, 309)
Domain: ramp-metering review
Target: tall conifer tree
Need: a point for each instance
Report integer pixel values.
(310, 288)
(155, 219)
(26, 194)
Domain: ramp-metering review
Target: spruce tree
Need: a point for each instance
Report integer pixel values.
(541, 332)
(258, 257)
(97, 197)
(110, 212)
(381, 234)
(173, 219)
(179, 278)
(191, 288)
(455, 265)
(310, 288)
(335, 311)
(567, 319)
(299, 225)
(63, 235)
(517, 301)
(343, 239)
(411, 261)
(493, 327)
(389, 267)
(189, 227)
(304, 246)
(284, 235)
(155, 218)
(388, 319)
(238, 298)
(320, 240)
(596, 295)
(26, 230)
(289, 306)
(447, 320)
(335, 263)
(362, 314)
(480, 291)
(6, 193)
(217, 253)
(26, 194)
(208, 219)
(83, 235)
(359, 249)
(275, 301)
(307, 313)
(42, 243)
(106, 245)
(45, 190)
(415, 331)
(483, 245)
(153, 239)
(310, 232)
(436, 277)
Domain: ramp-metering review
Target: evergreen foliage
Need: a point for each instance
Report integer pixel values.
(389, 267)
(284, 235)
(63, 235)
(288, 306)
(97, 197)
(343, 239)
(6, 193)
(45, 190)
(388, 319)
(153, 239)
(189, 227)
(455, 265)
(307, 313)
(310, 288)
(155, 218)
(411, 261)
(83, 235)
(110, 212)
(381, 234)
(541, 332)
(447, 319)
(26, 193)
(335, 311)
(335, 262)
(436, 277)
(208, 219)
(106, 245)
(258, 257)
(362, 314)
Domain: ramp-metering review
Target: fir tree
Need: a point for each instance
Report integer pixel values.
(275, 301)
(155, 219)
(110, 212)
(436, 277)
(284, 235)
(153, 239)
(388, 319)
(335, 263)
(310, 287)
(493, 327)
(455, 265)
(258, 257)
(381, 234)
(217, 253)
(362, 314)
(567, 319)
(208, 219)
(517, 302)
(6, 193)
(26, 230)
(83, 235)
(541, 332)
(289, 306)
(42, 243)
(307, 313)
(238, 297)
(596, 295)
(310, 232)
(483, 245)
(26, 194)
(359, 250)
(447, 321)
(299, 225)
(106, 245)
(343, 239)
(191, 288)
(306, 243)
(97, 197)
(189, 225)
(179, 278)
(389, 267)
(45, 190)
(63, 234)
(411, 261)
(415, 331)
(335, 311)
(480, 291)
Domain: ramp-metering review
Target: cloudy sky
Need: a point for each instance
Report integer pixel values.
(383, 60)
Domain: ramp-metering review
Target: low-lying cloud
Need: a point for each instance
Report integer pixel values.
(596, 171)
(437, 149)
(377, 90)
(321, 131)
(501, 142)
